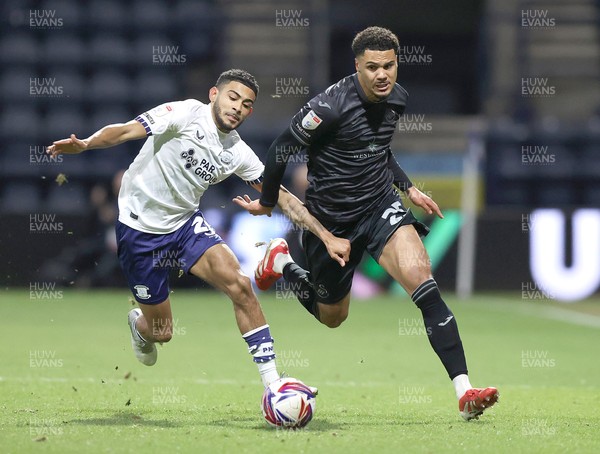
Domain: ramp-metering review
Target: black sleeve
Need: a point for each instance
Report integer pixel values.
(316, 118)
(400, 178)
(313, 121)
(279, 152)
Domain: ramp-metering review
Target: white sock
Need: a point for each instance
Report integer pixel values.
(281, 260)
(461, 384)
(268, 372)
(137, 333)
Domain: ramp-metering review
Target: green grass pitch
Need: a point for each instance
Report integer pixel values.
(69, 381)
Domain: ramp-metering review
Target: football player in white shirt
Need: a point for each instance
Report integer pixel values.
(190, 146)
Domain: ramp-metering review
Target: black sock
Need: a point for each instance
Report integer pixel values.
(441, 327)
(300, 282)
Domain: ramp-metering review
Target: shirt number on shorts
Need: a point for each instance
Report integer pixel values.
(394, 214)
(200, 226)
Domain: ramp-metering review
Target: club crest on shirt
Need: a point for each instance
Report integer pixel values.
(392, 115)
(226, 156)
(311, 121)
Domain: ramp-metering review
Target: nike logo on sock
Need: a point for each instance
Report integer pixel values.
(445, 322)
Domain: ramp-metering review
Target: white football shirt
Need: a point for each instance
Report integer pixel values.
(184, 154)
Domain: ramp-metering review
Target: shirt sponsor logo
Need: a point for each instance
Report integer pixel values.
(302, 135)
(190, 160)
(204, 170)
(311, 121)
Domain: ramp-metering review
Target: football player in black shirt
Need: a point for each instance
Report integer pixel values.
(347, 131)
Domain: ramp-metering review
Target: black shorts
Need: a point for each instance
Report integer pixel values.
(332, 282)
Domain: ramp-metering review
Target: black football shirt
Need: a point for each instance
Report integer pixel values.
(347, 138)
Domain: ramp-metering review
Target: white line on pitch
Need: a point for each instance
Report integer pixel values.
(541, 311)
(198, 381)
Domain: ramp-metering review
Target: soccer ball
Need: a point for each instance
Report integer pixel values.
(288, 403)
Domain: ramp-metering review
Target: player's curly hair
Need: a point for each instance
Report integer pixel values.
(374, 38)
(238, 75)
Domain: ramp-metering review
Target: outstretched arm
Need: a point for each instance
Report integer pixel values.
(276, 162)
(294, 209)
(417, 197)
(424, 201)
(109, 136)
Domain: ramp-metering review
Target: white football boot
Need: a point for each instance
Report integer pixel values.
(145, 352)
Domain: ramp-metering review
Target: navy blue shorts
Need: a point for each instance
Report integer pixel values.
(332, 282)
(147, 258)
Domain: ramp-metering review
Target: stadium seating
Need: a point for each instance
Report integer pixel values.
(62, 120)
(151, 15)
(71, 198)
(18, 48)
(63, 49)
(108, 15)
(110, 51)
(21, 198)
(14, 85)
(71, 12)
(153, 88)
(20, 122)
(544, 168)
(100, 65)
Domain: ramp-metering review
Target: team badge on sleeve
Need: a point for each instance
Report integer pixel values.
(311, 121)
(161, 110)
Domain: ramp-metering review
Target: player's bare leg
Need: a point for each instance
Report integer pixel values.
(333, 315)
(150, 323)
(276, 262)
(219, 267)
(404, 257)
(156, 325)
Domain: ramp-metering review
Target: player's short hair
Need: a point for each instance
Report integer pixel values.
(374, 38)
(238, 75)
